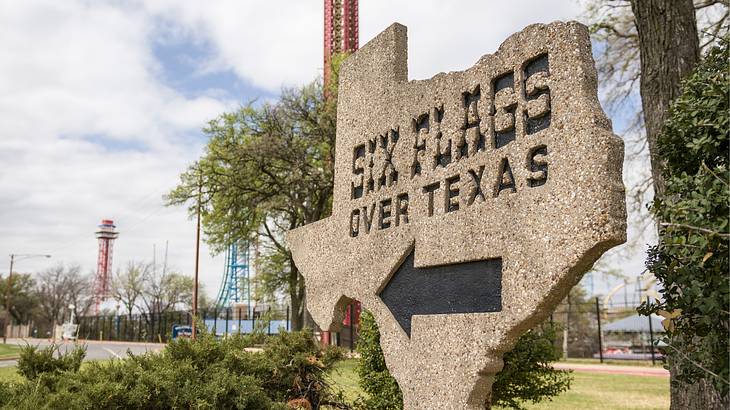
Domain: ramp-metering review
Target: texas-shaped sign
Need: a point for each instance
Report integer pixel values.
(465, 206)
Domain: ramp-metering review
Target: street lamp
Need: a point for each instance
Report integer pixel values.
(71, 309)
(8, 304)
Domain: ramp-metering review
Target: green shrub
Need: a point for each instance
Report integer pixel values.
(332, 354)
(35, 361)
(204, 374)
(691, 259)
(526, 376)
(380, 387)
(296, 367)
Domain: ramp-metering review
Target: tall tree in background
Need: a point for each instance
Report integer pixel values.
(266, 169)
(150, 290)
(79, 292)
(164, 291)
(23, 296)
(617, 49)
(56, 289)
(652, 56)
(128, 285)
(657, 43)
(573, 317)
(669, 50)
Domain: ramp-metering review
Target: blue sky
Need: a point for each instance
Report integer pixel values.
(180, 61)
(102, 103)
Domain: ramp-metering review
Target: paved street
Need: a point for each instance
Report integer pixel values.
(94, 350)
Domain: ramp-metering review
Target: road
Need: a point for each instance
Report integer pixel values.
(95, 350)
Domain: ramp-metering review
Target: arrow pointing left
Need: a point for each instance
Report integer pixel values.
(470, 287)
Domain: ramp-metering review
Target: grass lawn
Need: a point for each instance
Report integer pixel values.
(343, 378)
(588, 390)
(9, 351)
(611, 391)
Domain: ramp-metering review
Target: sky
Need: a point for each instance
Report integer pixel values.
(102, 105)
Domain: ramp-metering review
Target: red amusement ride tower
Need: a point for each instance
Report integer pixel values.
(106, 235)
(341, 31)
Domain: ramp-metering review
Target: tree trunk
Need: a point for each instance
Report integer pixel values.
(296, 294)
(669, 50)
(700, 395)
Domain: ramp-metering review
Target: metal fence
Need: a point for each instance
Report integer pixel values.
(591, 330)
(157, 328)
(149, 327)
(583, 330)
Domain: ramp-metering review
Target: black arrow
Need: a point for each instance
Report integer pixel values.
(471, 287)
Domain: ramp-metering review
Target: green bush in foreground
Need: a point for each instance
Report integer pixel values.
(692, 259)
(526, 376)
(381, 388)
(202, 374)
(35, 361)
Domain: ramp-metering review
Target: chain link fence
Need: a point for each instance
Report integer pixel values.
(616, 332)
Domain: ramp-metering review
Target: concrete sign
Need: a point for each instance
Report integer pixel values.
(466, 206)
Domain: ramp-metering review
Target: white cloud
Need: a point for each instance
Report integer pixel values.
(75, 69)
(275, 43)
(89, 129)
(267, 43)
(453, 35)
(79, 80)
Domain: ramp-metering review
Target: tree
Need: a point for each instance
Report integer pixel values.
(152, 291)
(128, 285)
(205, 302)
(79, 290)
(664, 46)
(528, 374)
(667, 36)
(691, 259)
(669, 49)
(383, 392)
(22, 295)
(164, 291)
(267, 169)
(578, 328)
(58, 287)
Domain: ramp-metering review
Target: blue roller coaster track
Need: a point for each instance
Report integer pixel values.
(236, 286)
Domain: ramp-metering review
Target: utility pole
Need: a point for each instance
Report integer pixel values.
(164, 263)
(197, 254)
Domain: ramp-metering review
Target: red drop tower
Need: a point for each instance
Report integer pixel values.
(341, 31)
(106, 235)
